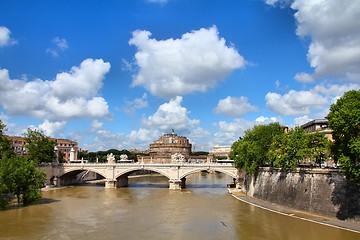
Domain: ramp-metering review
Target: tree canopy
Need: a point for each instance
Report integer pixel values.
(250, 152)
(344, 120)
(269, 145)
(40, 147)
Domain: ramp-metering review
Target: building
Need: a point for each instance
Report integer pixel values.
(161, 150)
(220, 151)
(321, 125)
(64, 146)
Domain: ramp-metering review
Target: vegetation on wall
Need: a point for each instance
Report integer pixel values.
(270, 145)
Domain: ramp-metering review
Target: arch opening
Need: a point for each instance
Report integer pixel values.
(81, 176)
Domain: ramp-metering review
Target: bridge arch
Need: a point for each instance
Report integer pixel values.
(127, 172)
(201, 169)
(83, 169)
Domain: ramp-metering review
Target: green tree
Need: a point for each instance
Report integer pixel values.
(21, 178)
(40, 147)
(250, 152)
(344, 120)
(318, 147)
(288, 150)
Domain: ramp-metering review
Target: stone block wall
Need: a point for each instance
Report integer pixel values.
(322, 191)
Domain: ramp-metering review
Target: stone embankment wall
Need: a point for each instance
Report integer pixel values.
(322, 191)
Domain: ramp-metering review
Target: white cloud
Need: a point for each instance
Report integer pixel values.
(234, 107)
(52, 128)
(230, 132)
(301, 120)
(266, 120)
(71, 95)
(5, 37)
(171, 115)
(96, 124)
(304, 77)
(195, 62)
(60, 45)
(295, 102)
(333, 28)
(314, 102)
(81, 81)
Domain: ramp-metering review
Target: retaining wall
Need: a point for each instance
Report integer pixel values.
(322, 191)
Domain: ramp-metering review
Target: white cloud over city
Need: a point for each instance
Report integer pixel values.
(73, 94)
(234, 107)
(196, 62)
(333, 28)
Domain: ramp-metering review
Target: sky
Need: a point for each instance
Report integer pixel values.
(119, 74)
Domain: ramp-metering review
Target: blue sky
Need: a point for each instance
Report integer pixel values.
(118, 74)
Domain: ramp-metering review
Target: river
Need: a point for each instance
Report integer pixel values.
(147, 209)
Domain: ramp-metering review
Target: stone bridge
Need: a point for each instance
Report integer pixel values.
(116, 174)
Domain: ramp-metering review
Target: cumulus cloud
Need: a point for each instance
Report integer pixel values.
(171, 115)
(234, 107)
(52, 128)
(301, 120)
(333, 28)
(295, 102)
(72, 94)
(305, 102)
(266, 120)
(195, 62)
(5, 37)
(229, 132)
(60, 44)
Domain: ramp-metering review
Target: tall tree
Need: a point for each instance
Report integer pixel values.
(344, 120)
(21, 178)
(250, 152)
(40, 147)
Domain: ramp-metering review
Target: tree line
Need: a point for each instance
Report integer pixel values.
(101, 156)
(270, 145)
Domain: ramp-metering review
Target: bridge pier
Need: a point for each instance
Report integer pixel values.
(177, 184)
(110, 183)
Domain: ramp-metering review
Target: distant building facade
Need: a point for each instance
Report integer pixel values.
(320, 125)
(64, 146)
(220, 151)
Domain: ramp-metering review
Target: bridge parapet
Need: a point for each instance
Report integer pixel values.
(116, 174)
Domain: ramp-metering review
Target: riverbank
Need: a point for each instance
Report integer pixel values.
(332, 222)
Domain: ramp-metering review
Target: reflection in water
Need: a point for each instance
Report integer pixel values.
(147, 209)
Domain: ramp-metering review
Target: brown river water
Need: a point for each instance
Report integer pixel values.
(147, 209)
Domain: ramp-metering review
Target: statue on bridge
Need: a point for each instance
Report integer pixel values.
(110, 158)
(177, 158)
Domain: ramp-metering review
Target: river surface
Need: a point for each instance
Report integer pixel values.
(147, 209)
